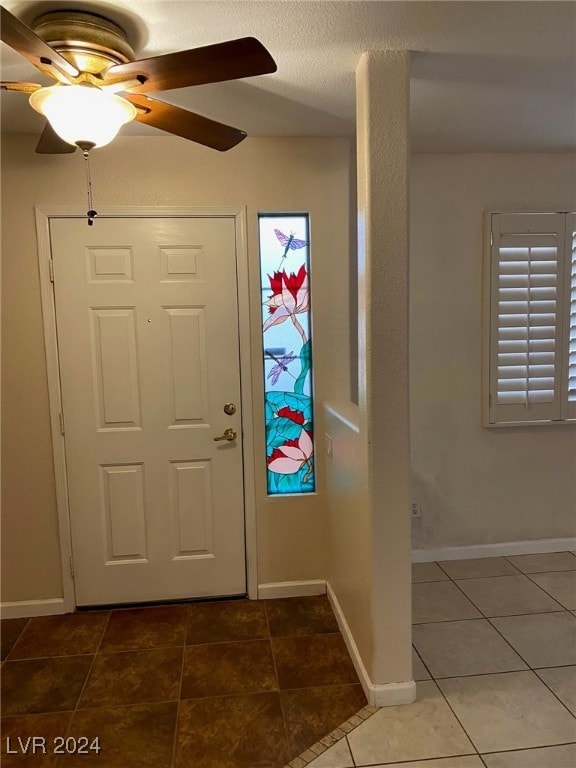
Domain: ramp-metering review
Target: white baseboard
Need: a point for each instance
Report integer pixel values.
(386, 695)
(291, 589)
(536, 547)
(30, 608)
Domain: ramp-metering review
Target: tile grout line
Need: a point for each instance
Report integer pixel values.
(536, 554)
(93, 661)
(423, 664)
(351, 753)
(177, 721)
(553, 692)
(14, 644)
(284, 726)
(254, 639)
(516, 651)
(442, 569)
(479, 618)
(547, 573)
(495, 576)
(484, 615)
(423, 760)
(468, 736)
(549, 570)
(191, 698)
(529, 749)
(481, 612)
(39, 658)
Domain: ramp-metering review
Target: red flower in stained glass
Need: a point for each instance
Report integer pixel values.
(289, 458)
(296, 416)
(290, 296)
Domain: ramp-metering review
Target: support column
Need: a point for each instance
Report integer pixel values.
(382, 86)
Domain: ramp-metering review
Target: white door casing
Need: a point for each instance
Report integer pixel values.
(148, 358)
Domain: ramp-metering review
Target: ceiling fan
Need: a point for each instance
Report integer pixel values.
(100, 85)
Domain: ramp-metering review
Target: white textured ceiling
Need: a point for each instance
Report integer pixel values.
(486, 75)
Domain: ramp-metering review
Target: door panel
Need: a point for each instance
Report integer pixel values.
(185, 340)
(123, 503)
(115, 367)
(147, 325)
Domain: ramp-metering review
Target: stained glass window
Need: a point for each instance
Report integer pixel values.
(287, 343)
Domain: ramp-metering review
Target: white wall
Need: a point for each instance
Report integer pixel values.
(299, 174)
(476, 485)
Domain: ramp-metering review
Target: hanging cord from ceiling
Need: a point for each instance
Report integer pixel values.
(90, 213)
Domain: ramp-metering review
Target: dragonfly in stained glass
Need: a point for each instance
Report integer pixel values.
(290, 242)
(281, 366)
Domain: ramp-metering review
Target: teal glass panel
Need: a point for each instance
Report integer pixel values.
(287, 344)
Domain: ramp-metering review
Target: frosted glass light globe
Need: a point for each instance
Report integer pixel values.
(80, 113)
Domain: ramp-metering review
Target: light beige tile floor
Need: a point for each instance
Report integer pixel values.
(469, 761)
(512, 710)
(479, 567)
(543, 639)
(441, 601)
(495, 665)
(427, 728)
(547, 757)
(553, 561)
(561, 585)
(507, 596)
(422, 572)
(561, 680)
(419, 671)
(455, 648)
(338, 756)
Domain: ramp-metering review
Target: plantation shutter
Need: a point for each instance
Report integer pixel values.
(569, 383)
(526, 329)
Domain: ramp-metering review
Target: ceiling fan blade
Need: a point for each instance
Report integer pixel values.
(19, 87)
(186, 124)
(17, 35)
(211, 64)
(51, 144)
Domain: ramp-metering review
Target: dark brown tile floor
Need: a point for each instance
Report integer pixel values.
(236, 684)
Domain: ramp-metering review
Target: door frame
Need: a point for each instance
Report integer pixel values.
(238, 213)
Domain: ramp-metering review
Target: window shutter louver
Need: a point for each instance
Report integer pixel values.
(527, 278)
(569, 410)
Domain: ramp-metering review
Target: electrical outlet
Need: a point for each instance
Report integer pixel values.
(415, 509)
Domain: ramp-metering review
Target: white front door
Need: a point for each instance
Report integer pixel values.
(147, 326)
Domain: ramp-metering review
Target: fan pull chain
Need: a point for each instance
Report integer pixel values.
(91, 213)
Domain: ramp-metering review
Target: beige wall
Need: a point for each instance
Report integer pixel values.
(476, 485)
(349, 527)
(369, 472)
(382, 98)
(301, 174)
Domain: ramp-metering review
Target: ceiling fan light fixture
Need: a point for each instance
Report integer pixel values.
(83, 114)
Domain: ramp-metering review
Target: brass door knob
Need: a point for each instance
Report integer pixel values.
(228, 434)
(230, 409)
